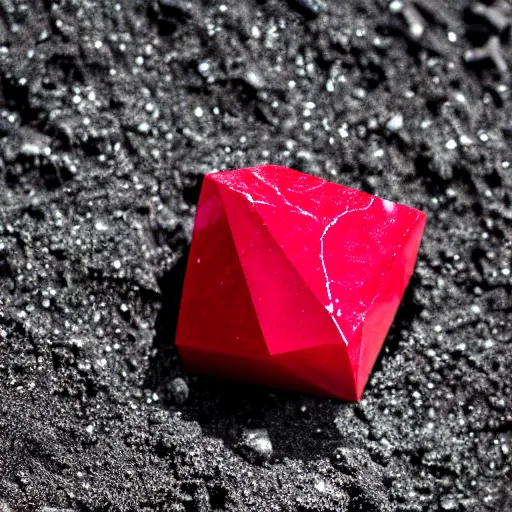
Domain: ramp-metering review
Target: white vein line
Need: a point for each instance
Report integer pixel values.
(314, 187)
(330, 306)
(254, 201)
(280, 194)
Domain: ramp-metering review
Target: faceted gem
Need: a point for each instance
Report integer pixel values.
(293, 281)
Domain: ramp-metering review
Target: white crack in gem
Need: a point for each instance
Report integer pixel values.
(280, 194)
(314, 187)
(330, 307)
(255, 201)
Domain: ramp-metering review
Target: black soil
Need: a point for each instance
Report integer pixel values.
(111, 114)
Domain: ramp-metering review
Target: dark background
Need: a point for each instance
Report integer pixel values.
(110, 116)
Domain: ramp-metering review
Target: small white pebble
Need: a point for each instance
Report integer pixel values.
(89, 429)
(483, 137)
(396, 6)
(203, 67)
(451, 144)
(320, 486)
(465, 140)
(98, 44)
(452, 37)
(117, 264)
(198, 112)
(143, 127)
(343, 132)
(395, 123)
(417, 30)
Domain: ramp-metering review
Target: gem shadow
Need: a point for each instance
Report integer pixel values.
(299, 426)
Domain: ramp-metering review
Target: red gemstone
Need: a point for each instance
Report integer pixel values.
(293, 281)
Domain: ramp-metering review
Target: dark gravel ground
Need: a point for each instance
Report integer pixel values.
(110, 116)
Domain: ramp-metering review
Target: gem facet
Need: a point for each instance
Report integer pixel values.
(293, 281)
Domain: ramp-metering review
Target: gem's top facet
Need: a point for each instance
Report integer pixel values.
(337, 238)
